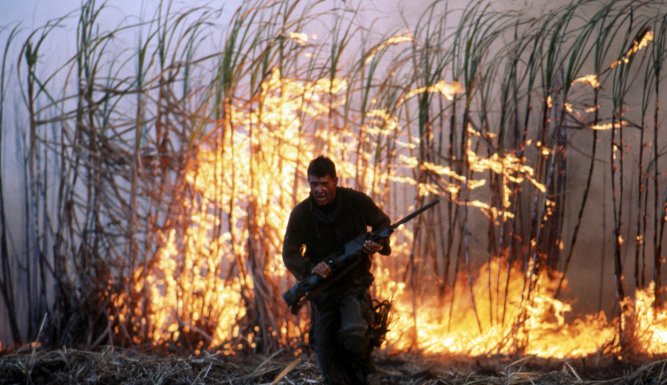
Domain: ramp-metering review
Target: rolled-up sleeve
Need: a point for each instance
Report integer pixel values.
(377, 219)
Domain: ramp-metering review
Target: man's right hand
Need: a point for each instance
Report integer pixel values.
(322, 269)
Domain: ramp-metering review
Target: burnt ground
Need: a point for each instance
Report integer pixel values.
(121, 366)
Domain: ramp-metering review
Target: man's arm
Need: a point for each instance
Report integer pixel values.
(377, 219)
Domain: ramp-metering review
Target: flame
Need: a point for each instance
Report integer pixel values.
(650, 324)
(608, 126)
(511, 168)
(394, 40)
(591, 79)
(448, 90)
(381, 123)
(646, 38)
(299, 38)
(200, 283)
(492, 327)
(503, 320)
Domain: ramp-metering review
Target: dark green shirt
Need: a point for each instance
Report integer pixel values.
(313, 232)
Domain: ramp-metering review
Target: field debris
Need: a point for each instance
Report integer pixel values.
(112, 365)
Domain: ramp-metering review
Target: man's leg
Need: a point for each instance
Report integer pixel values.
(353, 334)
(325, 325)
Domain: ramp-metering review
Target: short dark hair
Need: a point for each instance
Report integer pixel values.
(322, 166)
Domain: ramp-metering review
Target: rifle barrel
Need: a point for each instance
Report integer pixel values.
(415, 213)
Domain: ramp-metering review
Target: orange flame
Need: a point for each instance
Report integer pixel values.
(636, 47)
(299, 38)
(243, 185)
(650, 324)
(394, 40)
(608, 126)
(592, 80)
(511, 168)
(490, 327)
(448, 90)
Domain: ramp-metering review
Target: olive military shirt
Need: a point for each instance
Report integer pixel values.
(315, 232)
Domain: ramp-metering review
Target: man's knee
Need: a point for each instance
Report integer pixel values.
(355, 342)
(353, 333)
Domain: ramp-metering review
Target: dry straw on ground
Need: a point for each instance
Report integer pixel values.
(116, 366)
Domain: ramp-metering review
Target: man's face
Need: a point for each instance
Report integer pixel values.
(322, 189)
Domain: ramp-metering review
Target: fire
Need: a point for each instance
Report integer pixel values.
(512, 169)
(503, 321)
(607, 126)
(199, 281)
(299, 38)
(381, 123)
(637, 45)
(592, 80)
(448, 90)
(211, 263)
(650, 324)
(394, 40)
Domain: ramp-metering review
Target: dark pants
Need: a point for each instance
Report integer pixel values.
(341, 341)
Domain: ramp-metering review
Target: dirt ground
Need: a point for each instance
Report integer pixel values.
(121, 366)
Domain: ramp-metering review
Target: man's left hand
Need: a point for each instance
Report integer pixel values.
(370, 247)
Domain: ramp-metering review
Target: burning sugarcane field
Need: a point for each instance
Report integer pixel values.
(334, 192)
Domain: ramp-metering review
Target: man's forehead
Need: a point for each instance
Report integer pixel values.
(319, 179)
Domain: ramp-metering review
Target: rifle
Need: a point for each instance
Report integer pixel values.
(349, 253)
